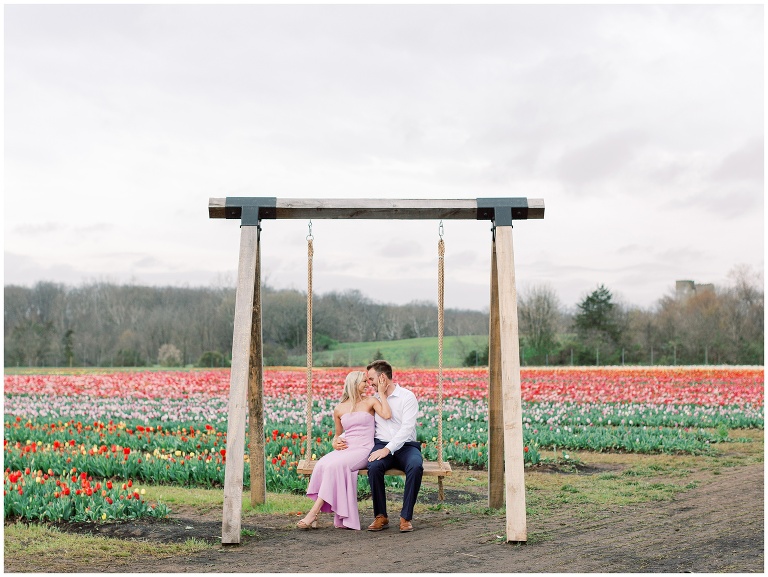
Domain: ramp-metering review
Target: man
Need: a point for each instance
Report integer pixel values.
(395, 447)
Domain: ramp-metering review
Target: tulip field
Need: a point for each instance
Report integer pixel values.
(78, 445)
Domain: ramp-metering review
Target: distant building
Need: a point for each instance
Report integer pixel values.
(688, 288)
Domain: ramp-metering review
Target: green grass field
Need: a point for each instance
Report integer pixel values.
(404, 353)
(422, 352)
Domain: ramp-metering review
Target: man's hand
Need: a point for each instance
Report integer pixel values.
(382, 386)
(376, 455)
(339, 443)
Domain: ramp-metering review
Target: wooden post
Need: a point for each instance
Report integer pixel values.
(495, 428)
(256, 394)
(238, 386)
(511, 389)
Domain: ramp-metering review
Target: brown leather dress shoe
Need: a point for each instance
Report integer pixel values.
(405, 526)
(379, 523)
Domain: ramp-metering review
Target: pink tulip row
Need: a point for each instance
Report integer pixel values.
(663, 385)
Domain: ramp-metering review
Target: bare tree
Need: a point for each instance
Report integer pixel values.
(540, 318)
(169, 355)
(284, 319)
(743, 309)
(419, 319)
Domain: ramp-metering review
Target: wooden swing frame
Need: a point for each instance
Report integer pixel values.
(505, 431)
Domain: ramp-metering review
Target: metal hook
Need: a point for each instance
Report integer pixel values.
(441, 230)
(309, 236)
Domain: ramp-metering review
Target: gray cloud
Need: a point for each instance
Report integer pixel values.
(629, 249)
(38, 229)
(400, 248)
(733, 202)
(606, 156)
(24, 269)
(95, 228)
(121, 121)
(678, 256)
(52, 227)
(148, 262)
(728, 201)
(746, 163)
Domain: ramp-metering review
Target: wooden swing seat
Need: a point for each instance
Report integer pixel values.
(431, 469)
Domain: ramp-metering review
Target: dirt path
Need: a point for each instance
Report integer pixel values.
(715, 527)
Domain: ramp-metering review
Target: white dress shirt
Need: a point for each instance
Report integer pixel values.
(401, 427)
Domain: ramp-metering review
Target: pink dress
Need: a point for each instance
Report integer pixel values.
(334, 478)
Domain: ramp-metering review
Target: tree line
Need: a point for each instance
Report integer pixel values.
(711, 325)
(104, 324)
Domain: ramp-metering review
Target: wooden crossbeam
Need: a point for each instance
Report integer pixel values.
(431, 469)
(369, 208)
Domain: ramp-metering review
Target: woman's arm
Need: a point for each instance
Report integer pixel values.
(337, 422)
(339, 443)
(382, 407)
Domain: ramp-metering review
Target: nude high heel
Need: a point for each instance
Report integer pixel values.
(304, 525)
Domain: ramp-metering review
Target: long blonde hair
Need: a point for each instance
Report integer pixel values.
(350, 387)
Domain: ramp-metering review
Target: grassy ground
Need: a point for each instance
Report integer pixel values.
(420, 352)
(51, 546)
(626, 479)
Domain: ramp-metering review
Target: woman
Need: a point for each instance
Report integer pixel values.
(333, 484)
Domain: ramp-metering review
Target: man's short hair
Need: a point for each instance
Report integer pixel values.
(381, 367)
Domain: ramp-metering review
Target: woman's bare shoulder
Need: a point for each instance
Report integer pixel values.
(341, 408)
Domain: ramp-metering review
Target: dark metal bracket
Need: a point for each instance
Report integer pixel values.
(502, 211)
(251, 210)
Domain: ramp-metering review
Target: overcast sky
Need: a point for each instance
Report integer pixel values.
(641, 127)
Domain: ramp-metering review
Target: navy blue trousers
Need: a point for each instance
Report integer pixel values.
(408, 459)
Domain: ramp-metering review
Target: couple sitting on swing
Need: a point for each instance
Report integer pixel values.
(377, 432)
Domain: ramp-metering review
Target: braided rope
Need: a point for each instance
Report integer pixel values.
(310, 254)
(440, 327)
